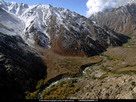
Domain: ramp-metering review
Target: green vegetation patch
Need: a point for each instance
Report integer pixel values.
(62, 90)
(112, 58)
(129, 72)
(31, 95)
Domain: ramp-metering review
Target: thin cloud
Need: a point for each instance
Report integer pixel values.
(95, 6)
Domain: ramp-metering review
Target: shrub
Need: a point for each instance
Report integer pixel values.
(62, 90)
(39, 84)
(32, 95)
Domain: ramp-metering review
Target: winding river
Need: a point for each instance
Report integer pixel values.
(40, 96)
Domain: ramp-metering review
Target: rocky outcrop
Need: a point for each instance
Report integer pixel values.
(20, 67)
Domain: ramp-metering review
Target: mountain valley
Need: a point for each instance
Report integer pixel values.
(49, 52)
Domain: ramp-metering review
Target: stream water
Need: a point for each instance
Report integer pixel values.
(64, 79)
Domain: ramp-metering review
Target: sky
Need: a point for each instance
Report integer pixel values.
(95, 6)
(83, 7)
(78, 6)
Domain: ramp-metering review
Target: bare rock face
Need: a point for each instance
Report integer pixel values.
(20, 68)
(121, 20)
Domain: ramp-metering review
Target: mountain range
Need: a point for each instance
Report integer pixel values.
(121, 19)
(58, 29)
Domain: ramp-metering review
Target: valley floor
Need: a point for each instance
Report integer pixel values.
(112, 75)
(114, 78)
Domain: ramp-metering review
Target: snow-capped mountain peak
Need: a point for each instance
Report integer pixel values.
(63, 31)
(13, 7)
(10, 24)
(2, 2)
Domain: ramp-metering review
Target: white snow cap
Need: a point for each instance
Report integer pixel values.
(2, 2)
(95, 6)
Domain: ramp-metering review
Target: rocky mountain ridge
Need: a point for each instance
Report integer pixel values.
(61, 30)
(121, 19)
